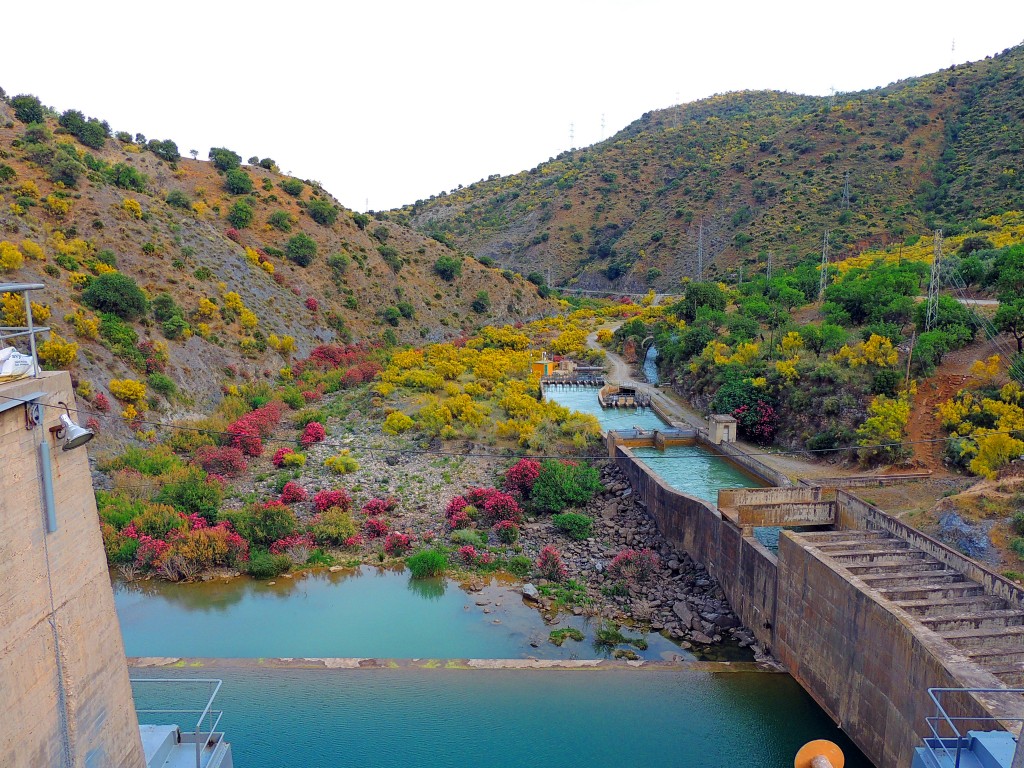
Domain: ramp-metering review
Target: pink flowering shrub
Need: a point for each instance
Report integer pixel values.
(521, 476)
(377, 507)
(397, 544)
(101, 402)
(279, 455)
(150, 552)
(550, 565)
(324, 500)
(312, 304)
(313, 433)
(633, 565)
(226, 461)
(374, 528)
(311, 395)
(354, 541)
(501, 506)
(93, 424)
(296, 540)
(233, 234)
(245, 433)
(468, 554)
(506, 531)
(459, 520)
(292, 493)
(457, 504)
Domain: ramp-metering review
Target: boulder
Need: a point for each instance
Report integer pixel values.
(530, 592)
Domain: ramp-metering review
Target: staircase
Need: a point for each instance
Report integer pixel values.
(166, 746)
(983, 627)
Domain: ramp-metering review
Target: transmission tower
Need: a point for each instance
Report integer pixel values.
(768, 272)
(823, 283)
(932, 313)
(700, 250)
(832, 97)
(846, 191)
(602, 126)
(572, 135)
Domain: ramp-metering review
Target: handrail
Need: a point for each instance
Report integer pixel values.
(941, 716)
(206, 712)
(29, 329)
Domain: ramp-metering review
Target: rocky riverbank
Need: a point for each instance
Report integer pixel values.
(680, 598)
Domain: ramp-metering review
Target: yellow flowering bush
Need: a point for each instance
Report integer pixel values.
(32, 250)
(13, 307)
(11, 257)
(57, 353)
(877, 350)
(132, 207)
(396, 423)
(127, 390)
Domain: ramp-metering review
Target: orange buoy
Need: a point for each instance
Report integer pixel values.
(820, 753)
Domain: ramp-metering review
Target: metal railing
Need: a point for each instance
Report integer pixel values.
(208, 720)
(951, 741)
(29, 329)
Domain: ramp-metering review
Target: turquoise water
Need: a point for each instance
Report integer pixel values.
(321, 718)
(364, 612)
(695, 471)
(584, 400)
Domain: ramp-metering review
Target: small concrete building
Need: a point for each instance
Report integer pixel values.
(721, 428)
(543, 367)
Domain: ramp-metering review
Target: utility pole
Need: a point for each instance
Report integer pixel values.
(832, 97)
(823, 281)
(846, 191)
(932, 312)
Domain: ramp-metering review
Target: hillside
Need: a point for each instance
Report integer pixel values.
(744, 174)
(219, 255)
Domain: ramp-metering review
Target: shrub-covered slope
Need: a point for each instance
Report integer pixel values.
(743, 174)
(240, 267)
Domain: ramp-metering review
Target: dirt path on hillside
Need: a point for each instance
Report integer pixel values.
(621, 372)
(923, 429)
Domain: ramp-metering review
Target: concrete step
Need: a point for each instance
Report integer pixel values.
(997, 655)
(835, 537)
(931, 591)
(951, 606)
(1010, 673)
(910, 578)
(1008, 617)
(863, 569)
(873, 555)
(971, 639)
(867, 545)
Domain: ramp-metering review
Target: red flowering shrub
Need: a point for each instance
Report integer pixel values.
(397, 544)
(292, 493)
(550, 565)
(374, 528)
(360, 374)
(311, 395)
(93, 424)
(760, 421)
(279, 278)
(457, 504)
(501, 506)
(506, 531)
(150, 552)
(233, 234)
(377, 507)
(324, 500)
(101, 402)
(281, 546)
(521, 476)
(331, 356)
(479, 496)
(354, 541)
(459, 520)
(196, 521)
(313, 433)
(245, 433)
(312, 304)
(225, 461)
(279, 455)
(468, 554)
(633, 565)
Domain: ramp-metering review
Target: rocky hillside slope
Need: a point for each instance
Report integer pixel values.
(244, 268)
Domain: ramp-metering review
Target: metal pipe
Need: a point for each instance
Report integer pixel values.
(47, 475)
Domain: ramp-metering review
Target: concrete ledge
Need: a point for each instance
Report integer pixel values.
(151, 662)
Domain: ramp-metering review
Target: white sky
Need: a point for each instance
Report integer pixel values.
(394, 100)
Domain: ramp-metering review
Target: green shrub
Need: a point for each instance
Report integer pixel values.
(1018, 523)
(263, 565)
(166, 150)
(292, 186)
(481, 303)
(282, 220)
(193, 493)
(559, 636)
(241, 214)
(391, 257)
(469, 536)
(151, 462)
(121, 339)
(519, 565)
(238, 182)
(448, 267)
(335, 525)
(886, 382)
(116, 509)
(574, 525)
(126, 177)
(163, 384)
(427, 563)
(391, 315)
(262, 524)
(224, 159)
(301, 249)
(27, 108)
(322, 212)
(7, 173)
(560, 485)
(117, 294)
